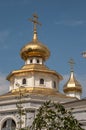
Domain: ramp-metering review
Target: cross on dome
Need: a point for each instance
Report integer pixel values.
(71, 62)
(35, 22)
(34, 48)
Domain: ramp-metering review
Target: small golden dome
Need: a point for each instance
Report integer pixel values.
(34, 48)
(72, 84)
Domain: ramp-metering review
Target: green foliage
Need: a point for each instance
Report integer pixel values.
(53, 116)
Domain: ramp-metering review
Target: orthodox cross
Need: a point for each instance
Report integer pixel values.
(35, 22)
(71, 62)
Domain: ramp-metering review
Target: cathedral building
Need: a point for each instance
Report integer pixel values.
(33, 84)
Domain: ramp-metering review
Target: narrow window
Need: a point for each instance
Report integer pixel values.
(24, 81)
(30, 60)
(37, 60)
(54, 84)
(41, 81)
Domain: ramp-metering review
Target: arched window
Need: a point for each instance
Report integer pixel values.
(30, 60)
(37, 60)
(9, 124)
(24, 81)
(54, 84)
(41, 81)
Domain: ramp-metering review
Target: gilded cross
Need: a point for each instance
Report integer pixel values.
(71, 62)
(35, 22)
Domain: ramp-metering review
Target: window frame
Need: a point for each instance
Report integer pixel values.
(24, 81)
(42, 81)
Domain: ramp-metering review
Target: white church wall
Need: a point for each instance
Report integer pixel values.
(48, 80)
(73, 94)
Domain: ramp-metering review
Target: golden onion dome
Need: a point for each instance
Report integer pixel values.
(35, 48)
(72, 84)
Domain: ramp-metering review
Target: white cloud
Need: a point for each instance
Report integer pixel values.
(80, 78)
(4, 85)
(71, 22)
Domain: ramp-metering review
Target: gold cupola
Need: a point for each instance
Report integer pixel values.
(35, 48)
(72, 88)
(35, 76)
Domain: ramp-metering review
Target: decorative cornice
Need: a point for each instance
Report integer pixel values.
(25, 70)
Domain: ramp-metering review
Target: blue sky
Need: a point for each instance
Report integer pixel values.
(63, 30)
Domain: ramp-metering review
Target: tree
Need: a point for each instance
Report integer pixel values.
(21, 110)
(53, 116)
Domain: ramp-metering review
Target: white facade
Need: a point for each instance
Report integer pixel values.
(40, 84)
(33, 80)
